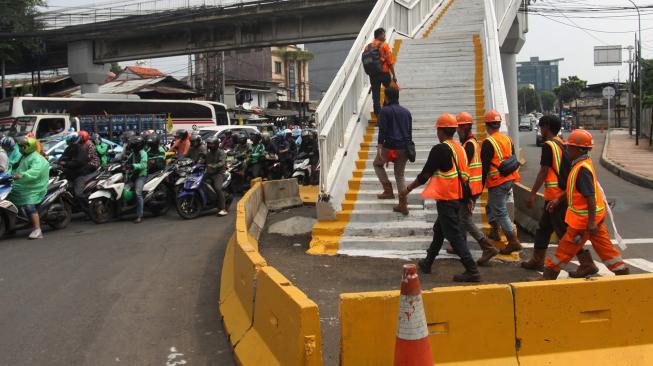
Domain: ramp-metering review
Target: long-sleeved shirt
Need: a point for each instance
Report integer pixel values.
(257, 153)
(395, 126)
(139, 165)
(440, 159)
(216, 161)
(487, 153)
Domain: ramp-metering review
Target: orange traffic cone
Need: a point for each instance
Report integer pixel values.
(412, 347)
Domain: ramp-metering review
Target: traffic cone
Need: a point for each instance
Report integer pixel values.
(412, 347)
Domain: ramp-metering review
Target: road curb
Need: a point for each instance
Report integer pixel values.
(620, 171)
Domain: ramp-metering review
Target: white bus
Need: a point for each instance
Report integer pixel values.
(108, 117)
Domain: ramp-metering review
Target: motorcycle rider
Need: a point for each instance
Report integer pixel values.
(124, 139)
(240, 152)
(227, 142)
(138, 162)
(101, 148)
(30, 183)
(181, 144)
(255, 164)
(216, 162)
(156, 154)
(13, 152)
(197, 150)
(76, 164)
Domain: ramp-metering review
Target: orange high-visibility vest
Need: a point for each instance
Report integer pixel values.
(577, 212)
(551, 189)
(502, 145)
(446, 186)
(475, 168)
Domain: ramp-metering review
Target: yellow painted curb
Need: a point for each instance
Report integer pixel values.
(309, 194)
(437, 19)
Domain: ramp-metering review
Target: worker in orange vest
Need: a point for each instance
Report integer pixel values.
(586, 211)
(553, 165)
(473, 154)
(500, 173)
(447, 175)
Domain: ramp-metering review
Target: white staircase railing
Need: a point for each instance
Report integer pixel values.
(343, 104)
(495, 90)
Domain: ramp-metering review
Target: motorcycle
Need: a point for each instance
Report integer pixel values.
(115, 196)
(302, 169)
(55, 209)
(56, 172)
(272, 167)
(198, 194)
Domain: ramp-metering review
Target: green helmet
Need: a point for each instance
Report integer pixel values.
(27, 145)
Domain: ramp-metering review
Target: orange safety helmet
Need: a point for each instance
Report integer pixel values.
(580, 138)
(464, 118)
(446, 120)
(493, 116)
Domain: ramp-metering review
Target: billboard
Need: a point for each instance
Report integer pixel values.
(607, 56)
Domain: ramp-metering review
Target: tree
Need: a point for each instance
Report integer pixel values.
(528, 100)
(570, 89)
(548, 101)
(647, 81)
(20, 16)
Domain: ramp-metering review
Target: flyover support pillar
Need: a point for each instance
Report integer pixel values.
(82, 69)
(509, 66)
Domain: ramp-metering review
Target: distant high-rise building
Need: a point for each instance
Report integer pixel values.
(541, 73)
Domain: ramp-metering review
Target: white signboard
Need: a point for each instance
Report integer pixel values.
(608, 92)
(607, 56)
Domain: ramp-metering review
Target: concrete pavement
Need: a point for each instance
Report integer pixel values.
(631, 162)
(115, 294)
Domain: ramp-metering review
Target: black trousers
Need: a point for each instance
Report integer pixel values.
(551, 222)
(447, 226)
(376, 82)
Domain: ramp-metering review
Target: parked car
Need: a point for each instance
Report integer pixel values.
(539, 141)
(55, 145)
(526, 123)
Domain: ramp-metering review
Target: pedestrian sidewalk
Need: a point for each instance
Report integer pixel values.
(627, 160)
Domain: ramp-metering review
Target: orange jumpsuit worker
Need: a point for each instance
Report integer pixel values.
(586, 211)
(447, 173)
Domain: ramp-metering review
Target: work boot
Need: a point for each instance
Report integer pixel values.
(586, 266)
(402, 207)
(494, 232)
(622, 272)
(471, 274)
(387, 193)
(549, 275)
(489, 252)
(513, 244)
(536, 263)
(426, 263)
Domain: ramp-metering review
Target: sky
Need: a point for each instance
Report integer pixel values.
(547, 38)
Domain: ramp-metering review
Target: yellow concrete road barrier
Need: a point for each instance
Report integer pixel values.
(237, 286)
(605, 321)
(286, 329)
(472, 325)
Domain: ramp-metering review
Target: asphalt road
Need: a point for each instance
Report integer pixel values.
(634, 204)
(115, 294)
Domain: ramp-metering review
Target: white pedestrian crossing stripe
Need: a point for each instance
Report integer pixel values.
(640, 263)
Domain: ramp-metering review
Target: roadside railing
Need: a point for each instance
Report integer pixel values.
(342, 105)
(104, 12)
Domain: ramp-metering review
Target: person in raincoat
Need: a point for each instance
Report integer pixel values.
(30, 182)
(102, 149)
(13, 153)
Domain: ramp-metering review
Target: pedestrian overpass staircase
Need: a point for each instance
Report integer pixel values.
(447, 61)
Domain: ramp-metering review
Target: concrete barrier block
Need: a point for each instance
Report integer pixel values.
(281, 194)
(286, 328)
(467, 325)
(237, 286)
(249, 214)
(605, 321)
(527, 218)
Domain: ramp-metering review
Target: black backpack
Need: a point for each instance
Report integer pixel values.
(372, 60)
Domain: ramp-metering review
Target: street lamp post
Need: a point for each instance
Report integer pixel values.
(639, 73)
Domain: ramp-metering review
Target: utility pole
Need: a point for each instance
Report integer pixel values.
(222, 72)
(4, 91)
(639, 74)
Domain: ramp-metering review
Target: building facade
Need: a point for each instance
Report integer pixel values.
(541, 73)
(254, 77)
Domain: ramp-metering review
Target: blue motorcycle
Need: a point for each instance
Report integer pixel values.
(198, 194)
(55, 209)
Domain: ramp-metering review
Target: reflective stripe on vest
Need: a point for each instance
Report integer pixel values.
(551, 188)
(475, 168)
(446, 186)
(502, 146)
(577, 210)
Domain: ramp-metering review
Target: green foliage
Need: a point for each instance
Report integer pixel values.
(20, 16)
(647, 81)
(548, 101)
(528, 100)
(570, 89)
